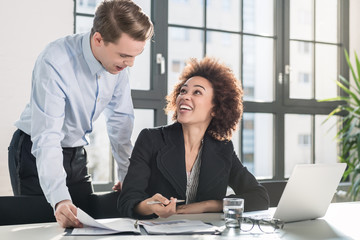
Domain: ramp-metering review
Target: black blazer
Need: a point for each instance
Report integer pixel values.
(157, 165)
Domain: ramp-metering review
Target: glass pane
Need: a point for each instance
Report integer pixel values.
(83, 24)
(183, 44)
(145, 6)
(99, 152)
(224, 15)
(144, 118)
(139, 124)
(325, 142)
(258, 144)
(301, 19)
(89, 6)
(301, 73)
(326, 71)
(186, 12)
(139, 73)
(326, 20)
(258, 69)
(298, 139)
(86, 6)
(259, 17)
(225, 46)
(236, 139)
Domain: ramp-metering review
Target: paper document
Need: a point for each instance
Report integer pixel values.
(127, 225)
(178, 227)
(104, 226)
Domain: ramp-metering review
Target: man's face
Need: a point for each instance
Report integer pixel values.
(118, 56)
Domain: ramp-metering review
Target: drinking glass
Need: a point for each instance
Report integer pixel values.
(233, 209)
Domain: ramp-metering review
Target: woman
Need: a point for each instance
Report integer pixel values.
(192, 159)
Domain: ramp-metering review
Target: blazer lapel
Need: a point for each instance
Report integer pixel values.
(171, 158)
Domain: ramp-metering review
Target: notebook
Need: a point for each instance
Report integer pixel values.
(308, 192)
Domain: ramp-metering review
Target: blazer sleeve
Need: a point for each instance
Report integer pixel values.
(137, 179)
(247, 187)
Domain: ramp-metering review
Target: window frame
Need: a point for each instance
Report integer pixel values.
(282, 104)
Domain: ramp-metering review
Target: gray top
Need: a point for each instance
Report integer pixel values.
(193, 179)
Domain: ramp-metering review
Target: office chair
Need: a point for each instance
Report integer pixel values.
(25, 209)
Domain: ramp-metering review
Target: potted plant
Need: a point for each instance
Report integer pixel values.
(348, 134)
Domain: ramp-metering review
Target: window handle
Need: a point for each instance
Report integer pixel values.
(280, 78)
(287, 69)
(161, 60)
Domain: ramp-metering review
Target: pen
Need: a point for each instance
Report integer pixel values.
(136, 224)
(156, 202)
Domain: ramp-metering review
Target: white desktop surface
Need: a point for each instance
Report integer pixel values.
(340, 222)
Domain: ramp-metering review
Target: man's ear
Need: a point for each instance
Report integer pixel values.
(98, 40)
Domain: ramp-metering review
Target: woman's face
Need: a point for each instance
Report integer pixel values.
(194, 104)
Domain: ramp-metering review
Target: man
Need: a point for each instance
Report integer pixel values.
(74, 80)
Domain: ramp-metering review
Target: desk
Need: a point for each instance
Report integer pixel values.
(340, 222)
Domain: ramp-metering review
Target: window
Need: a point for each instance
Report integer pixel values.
(145, 92)
(287, 55)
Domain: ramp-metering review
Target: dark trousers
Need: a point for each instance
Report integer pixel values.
(25, 180)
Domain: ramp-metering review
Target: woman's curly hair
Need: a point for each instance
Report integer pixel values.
(227, 100)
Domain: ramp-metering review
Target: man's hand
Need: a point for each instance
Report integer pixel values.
(117, 187)
(65, 214)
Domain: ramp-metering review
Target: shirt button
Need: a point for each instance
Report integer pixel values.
(98, 100)
(99, 76)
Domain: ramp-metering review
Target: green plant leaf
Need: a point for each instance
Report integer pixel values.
(351, 68)
(339, 98)
(349, 92)
(348, 135)
(336, 110)
(357, 80)
(355, 188)
(341, 78)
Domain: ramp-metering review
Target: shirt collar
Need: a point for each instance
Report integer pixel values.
(90, 59)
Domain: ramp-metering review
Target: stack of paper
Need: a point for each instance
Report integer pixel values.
(127, 225)
(104, 226)
(177, 227)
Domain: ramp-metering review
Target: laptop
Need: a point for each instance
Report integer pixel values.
(308, 192)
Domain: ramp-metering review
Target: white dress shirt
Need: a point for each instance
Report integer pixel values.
(70, 89)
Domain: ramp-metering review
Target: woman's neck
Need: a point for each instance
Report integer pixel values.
(193, 136)
(192, 140)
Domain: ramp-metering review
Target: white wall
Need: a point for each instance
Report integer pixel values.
(26, 27)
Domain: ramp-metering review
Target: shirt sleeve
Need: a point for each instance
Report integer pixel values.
(247, 187)
(47, 109)
(120, 122)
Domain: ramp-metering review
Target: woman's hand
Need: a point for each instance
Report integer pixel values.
(200, 207)
(164, 209)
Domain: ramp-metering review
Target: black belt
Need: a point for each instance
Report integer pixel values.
(74, 162)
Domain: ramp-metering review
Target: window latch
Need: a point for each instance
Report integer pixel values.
(161, 60)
